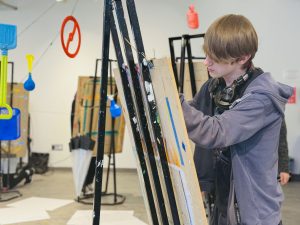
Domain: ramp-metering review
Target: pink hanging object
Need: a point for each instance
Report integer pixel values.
(192, 18)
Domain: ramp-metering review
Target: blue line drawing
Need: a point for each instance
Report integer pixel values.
(174, 131)
(183, 146)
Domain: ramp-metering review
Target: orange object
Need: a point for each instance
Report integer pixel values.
(71, 36)
(192, 18)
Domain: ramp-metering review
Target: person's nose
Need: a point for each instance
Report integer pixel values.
(208, 61)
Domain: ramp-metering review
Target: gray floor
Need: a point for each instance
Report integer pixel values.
(58, 183)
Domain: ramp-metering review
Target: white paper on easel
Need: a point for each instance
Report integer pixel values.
(184, 198)
(48, 204)
(18, 215)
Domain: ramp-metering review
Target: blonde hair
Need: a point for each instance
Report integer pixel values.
(229, 38)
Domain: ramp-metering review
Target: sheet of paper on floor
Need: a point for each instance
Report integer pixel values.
(107, 217)
(24, 214)
(48, 204)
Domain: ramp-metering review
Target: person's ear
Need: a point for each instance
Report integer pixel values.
(242, 60)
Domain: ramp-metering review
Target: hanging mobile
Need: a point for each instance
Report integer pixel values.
(29, 84)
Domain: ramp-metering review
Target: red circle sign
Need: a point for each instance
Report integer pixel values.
(70, 37)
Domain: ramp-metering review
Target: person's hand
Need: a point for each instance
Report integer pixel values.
(181, 97)
(284, 178)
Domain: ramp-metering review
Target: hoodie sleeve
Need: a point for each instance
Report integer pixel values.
(233, 126)
(283, 151)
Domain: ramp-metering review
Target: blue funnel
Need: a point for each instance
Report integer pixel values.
(115, 109)
(29, 84)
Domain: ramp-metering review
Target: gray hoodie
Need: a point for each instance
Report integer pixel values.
(251, 127)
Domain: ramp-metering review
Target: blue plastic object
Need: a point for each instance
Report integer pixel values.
(8, 40)
(115, 109)
(29, 84)
(8, 37)
(10, 129)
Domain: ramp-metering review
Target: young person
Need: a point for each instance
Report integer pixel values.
(242, 127)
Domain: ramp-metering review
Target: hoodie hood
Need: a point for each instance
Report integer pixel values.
(279, 93)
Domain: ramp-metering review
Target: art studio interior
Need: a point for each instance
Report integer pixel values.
(161, 112)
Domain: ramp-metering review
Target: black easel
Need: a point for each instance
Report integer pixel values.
(140, 109)
(117, 198)
(134, 125)
(109, 26)
(144, 122)
(102, 112)
(152, 112)
(12, 193)
(185, 47)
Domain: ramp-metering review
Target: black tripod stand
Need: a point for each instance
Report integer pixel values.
(87, 197)
(6, 193)
(185, 48)
(117, 198)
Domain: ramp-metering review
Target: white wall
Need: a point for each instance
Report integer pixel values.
(277, 23)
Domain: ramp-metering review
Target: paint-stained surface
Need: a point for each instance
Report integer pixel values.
(179, 155)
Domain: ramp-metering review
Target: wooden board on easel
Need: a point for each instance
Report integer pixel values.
(201, 76)
(180, 158)
(181, 161)
(82, 115)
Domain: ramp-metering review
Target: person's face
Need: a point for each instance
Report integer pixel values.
(225, 70)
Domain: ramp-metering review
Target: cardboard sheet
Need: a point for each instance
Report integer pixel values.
(83, 111)
(34, 203)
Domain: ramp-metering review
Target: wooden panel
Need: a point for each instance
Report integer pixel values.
(201, 75)
(18, 148)
(180, 156)
(180, 159)
(82, 115)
